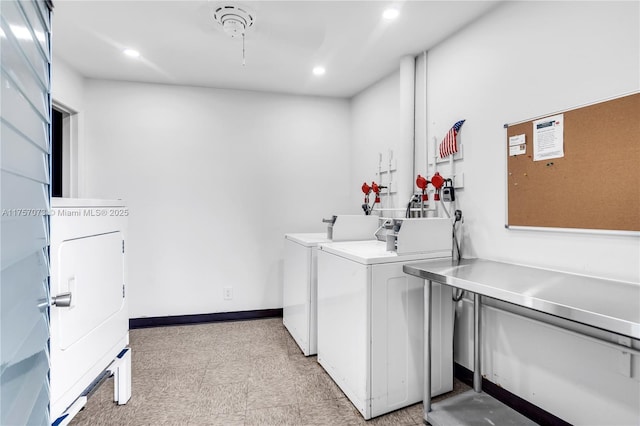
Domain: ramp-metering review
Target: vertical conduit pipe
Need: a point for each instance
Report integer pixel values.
(406, 147)
(426, 121)
(426, 115)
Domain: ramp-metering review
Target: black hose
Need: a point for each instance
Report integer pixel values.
(457, 297)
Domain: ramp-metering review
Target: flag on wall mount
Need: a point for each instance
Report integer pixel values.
(449, 144)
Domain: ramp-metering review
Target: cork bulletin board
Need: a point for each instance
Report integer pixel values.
(595, 184)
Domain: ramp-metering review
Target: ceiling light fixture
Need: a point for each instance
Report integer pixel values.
(319, 70)
(390, 14)
(132, 53)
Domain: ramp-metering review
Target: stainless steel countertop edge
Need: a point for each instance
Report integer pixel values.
(595, 319)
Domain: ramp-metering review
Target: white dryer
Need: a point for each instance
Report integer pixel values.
(89, 325)
(370, 321)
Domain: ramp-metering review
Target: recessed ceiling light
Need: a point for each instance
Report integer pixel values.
(132, 53)
(390, 14)
(319, 71)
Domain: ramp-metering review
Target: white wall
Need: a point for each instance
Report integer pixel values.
(523, 60)
(375, 130)
(213, 180)
(67, 90)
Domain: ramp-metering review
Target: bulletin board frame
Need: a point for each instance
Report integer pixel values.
(594, 186)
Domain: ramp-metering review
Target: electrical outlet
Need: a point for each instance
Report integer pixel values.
(458, 180)
(227, 293)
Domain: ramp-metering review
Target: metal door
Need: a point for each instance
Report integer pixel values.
(25, 111)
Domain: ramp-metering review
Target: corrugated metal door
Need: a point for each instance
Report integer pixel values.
(25, 111)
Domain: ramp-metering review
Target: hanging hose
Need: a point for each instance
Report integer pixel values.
(455, 239)
(414, 199)
(458, 294)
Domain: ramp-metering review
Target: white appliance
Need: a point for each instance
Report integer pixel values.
(89, 317)
(370, 318)
(300, 288)
(300, 274)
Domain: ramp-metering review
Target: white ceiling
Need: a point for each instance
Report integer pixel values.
(180, 42)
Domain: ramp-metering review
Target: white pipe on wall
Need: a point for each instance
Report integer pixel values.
(426, 118)
(406, 147)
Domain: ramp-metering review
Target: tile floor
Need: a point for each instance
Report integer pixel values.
(229, 373)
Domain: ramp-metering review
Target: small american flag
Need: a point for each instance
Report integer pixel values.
(449, 145)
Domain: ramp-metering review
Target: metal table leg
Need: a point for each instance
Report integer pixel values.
(427, 351)
(468, 407)
(477, 372)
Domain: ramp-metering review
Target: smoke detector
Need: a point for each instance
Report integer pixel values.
(235, 20)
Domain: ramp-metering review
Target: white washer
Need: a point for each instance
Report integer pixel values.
(370, 325)
(300, 289)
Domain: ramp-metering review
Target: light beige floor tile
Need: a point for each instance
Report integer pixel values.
(220, 419)
(333, 385)
(157, 379)
(273, 366)
(283, 415)
(168, 359)
(219, 399)
(315, 387)
(231, 371)
(200, 343)
(458, 387)
(399, 417)
(329, 412)
(303, 365)
(164, 409)
(292, 346)
(268, 348)
(353, 416)
(269, 351)
(99, 415)
(231, 350)
(415, 411)
(271, 392)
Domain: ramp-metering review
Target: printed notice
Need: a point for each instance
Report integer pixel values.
(548, 138)
(517, 145)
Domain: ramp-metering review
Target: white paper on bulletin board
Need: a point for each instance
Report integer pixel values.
(517, 145)
(548, 138)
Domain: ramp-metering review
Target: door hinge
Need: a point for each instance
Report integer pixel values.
(123, 291)
(123, 246)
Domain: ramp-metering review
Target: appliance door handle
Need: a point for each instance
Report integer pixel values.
(63, 300)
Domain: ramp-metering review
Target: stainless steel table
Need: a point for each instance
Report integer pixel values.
(578, 298)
